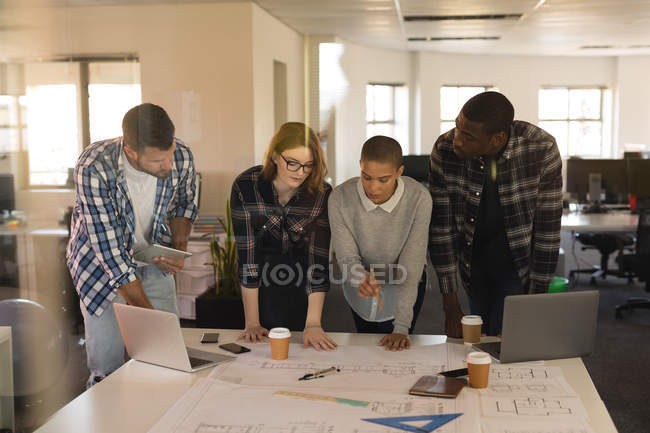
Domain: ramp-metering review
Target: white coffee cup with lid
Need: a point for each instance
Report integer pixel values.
(471, 328)
(279, 339)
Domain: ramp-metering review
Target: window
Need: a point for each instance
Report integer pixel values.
(387, 112)
(69, 105)
(574, 116)
(452, 99)
(12, 123)
(52, 133)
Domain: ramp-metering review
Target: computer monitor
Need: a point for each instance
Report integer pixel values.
(638, 171)
(613, 179)
(7, 201)
(417, 167)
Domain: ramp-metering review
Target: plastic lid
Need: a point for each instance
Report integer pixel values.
(471, 320)
(279, 333)
(479, 358)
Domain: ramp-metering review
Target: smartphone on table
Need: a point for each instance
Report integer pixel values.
(234, 348)
(210, 337)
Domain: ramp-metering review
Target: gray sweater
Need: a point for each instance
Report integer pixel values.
(393, 243)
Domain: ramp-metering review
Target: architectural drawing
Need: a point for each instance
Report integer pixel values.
(537, 407)
(553, 387)
(214, 406)
(522, 373)
(549, 426)
(361, 367)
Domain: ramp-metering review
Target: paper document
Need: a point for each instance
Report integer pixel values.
(213, 406)
(361, 367)
(514, 426)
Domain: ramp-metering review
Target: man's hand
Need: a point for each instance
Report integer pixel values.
(395, 342)
(368, 287)
(453, 315)
(254, 334)
(315, 336)
(133, 294)
(168, 265)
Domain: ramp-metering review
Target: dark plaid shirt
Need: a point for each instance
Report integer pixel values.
(529, 181)
(300, 227)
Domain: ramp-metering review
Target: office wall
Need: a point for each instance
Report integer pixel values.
(196, 61)
(361, 65)
(633, 101)
(272, 40)
(518, 77)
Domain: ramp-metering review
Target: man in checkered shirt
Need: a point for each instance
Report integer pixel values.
(131, 192)
(496, 185)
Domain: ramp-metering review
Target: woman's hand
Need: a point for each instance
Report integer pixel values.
(368, 287)
(395, 342)
(254, 334)
(315, 336)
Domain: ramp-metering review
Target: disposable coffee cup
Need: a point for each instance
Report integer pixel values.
(478, 368)
(471, 329)
(279, 338)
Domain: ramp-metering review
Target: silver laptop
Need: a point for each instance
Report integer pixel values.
(546, 326)
(155, 337)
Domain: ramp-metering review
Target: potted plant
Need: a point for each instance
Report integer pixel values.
(221, 306)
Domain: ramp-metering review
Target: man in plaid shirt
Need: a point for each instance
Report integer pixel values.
(496, 186)
(131, 192)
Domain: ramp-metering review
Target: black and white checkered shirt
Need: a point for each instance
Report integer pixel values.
(258, 216)
(529, 182)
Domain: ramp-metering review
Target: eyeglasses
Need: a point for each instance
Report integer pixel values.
(295, 166)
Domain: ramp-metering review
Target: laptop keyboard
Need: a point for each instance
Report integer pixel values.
(493, 349)
(197, 362)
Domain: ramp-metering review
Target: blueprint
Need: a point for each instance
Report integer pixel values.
(214, 406)
(514, 426)
(530, 393)
(361, 367)
(256, 394)
(530, 381)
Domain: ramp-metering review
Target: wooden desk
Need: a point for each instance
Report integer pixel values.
(135, 396)
(600, 222)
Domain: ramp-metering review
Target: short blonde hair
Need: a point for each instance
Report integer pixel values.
(292, 135)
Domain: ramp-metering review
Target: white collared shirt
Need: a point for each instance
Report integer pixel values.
(388, 205)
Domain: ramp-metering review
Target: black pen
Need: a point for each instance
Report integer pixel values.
(319, 374)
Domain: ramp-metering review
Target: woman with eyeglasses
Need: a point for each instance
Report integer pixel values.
(279, 212)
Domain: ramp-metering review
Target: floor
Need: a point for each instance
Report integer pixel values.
(619, 366)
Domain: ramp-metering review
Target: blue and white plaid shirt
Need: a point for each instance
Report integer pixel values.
(102, 233)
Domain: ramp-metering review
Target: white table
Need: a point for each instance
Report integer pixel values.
(600, 222)
(134, 397)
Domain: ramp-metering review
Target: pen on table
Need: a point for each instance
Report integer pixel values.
(378, 295)
(320, 373)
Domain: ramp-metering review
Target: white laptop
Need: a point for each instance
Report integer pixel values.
(155, 337)
(546, 326)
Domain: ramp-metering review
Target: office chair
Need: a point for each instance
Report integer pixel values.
(417, 167)
(638, 263)
(606, 244)
(40, 354)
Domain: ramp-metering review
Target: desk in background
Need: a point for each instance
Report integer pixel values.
(137, 395)
(39, 260)
(622, 222)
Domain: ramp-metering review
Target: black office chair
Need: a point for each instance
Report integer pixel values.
(606, 244)
(417, 167)
(638, 263)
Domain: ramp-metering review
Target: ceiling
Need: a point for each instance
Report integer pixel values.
(550, 27)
